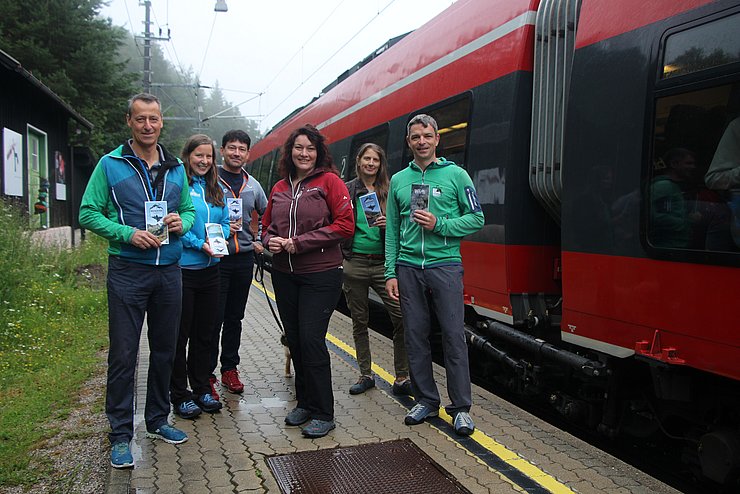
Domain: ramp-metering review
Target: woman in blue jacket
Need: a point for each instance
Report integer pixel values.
(200, 283)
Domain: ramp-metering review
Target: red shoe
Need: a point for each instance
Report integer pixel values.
(230, 379)
(214, 393)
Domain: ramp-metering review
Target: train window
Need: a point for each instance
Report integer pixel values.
(254, 168)
(702, 47)
(452, 120)
(694, 185)
(377, 135)
(275, 175)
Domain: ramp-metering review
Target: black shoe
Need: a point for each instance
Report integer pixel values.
(402, 388)
(363, 384)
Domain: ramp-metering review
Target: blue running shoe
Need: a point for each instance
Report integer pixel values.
(120, 455)
(188, 409)
(208, 404)
(168, 434)
(419, 414)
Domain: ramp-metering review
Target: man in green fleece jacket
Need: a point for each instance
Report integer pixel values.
(144, 277)
(431, 205)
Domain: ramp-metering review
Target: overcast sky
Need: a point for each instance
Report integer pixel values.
(288, 50)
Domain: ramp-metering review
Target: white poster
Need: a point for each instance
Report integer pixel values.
(13, 159)
(60, 174)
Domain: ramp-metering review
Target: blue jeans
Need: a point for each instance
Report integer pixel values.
(135, 290)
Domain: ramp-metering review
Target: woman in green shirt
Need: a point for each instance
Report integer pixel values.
(364, 267)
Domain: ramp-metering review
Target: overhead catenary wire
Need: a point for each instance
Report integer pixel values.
(287, 64)
(328, 59)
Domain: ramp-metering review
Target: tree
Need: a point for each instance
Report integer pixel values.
(74, 52)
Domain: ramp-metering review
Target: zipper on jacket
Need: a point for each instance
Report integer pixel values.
(235, 196)
(208, 214)
(293, 215)
(148, 191)
(423, 255)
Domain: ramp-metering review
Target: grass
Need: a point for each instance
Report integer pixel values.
(52, 328)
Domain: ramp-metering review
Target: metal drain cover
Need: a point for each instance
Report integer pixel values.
(377, 468)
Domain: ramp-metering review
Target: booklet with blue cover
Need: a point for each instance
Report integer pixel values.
(371, 207)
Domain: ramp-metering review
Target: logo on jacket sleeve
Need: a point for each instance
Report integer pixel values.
(473, 201)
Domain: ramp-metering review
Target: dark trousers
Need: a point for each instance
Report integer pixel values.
(200, 294)
(306, 303)
(236, 280)
(445, 284)
(133, 290)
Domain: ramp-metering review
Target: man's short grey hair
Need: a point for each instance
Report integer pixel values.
(424, 120)
(146, 98)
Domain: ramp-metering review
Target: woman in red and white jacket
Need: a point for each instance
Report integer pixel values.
(308, 215)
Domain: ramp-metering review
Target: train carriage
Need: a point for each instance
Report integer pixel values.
(607, 271)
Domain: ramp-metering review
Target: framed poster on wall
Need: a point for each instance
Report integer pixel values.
(13, 163)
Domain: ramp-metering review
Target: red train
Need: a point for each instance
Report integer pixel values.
(605, 277)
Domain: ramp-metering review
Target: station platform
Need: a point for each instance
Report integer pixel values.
(242, 447)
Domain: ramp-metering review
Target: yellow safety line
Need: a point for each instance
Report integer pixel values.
(511, 458)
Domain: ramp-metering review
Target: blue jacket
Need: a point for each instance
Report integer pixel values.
(113, 203)
(193, 256)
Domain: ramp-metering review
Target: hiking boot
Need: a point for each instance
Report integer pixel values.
(213, 382)
(318, 428)
(419, 414)
(463, 424)
(363, 384)
(168, 434)
(230, 379)
(120, 455)
(188, 409)
(402, 388)
(208, 404)
(297, 416)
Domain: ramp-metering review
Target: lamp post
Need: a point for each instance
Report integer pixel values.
(221, 6)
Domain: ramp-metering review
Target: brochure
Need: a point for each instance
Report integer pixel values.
(216, 239)
(154, 213)
(371, 207)
(234, 205)
(419, 198)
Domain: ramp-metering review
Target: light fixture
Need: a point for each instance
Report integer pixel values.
(221, 6)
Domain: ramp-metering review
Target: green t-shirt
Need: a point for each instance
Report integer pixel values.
(367, 239)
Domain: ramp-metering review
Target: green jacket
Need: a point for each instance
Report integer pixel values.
(452, 199)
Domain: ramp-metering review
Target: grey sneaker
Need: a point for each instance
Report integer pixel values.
(318, 428)
(419, 414)
(463, 424)
(363, 384)
(297, 416)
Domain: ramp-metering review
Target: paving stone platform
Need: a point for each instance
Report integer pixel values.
(511, 451)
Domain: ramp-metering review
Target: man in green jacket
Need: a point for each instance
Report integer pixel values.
(138, 199)
(431, 205)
